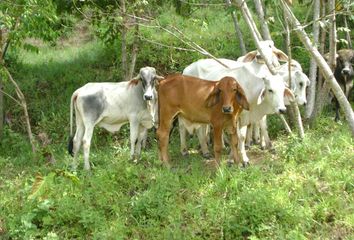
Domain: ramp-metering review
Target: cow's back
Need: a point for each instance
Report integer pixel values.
(112, 104)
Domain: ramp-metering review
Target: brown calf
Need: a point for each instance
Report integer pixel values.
(216, 102)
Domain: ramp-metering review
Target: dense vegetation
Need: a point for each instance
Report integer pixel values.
(303, 191)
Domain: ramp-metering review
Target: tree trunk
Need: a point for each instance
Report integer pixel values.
(124, 41)
(24, 106)
(347, 34)
(328, 74)
(294, 115)
(238, 31)
(134, 51)
(332, 35)
(322, 87)
(311, 91)
(262, 20)
(2, 109)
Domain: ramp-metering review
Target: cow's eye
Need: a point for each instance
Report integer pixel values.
(270, 90)
(301, 85)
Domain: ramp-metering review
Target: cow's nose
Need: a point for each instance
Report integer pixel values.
(282, 110)
(226, 109)
(147, 97)
(345, 71)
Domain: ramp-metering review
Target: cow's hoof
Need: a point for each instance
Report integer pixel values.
(211, 164)
(230, 163)
(207, 156)
(245, 164)
(184, 152)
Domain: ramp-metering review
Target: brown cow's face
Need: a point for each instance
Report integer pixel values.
(228, 88)
(228, 92)
(345, 61)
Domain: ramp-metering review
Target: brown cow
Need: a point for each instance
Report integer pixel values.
(218, 103)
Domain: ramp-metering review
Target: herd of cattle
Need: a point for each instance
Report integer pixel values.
(229, 99)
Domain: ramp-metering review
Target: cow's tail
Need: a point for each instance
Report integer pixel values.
(71, 137)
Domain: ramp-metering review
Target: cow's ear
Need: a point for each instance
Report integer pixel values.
(159, 78)
(213, 98)
(241, 98)
(249, 56)
(137, 77)
(289, 95)
(261, 96)
(326, 56)
(280, 55)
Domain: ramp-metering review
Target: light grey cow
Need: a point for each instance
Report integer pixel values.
(111, 105)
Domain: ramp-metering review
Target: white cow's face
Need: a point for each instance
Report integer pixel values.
(274, 92)
(148, 79)
(301, 81)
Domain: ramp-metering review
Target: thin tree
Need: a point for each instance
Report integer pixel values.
(124, 39)
(135, 48)
(238, 31)
(322, 64)
(324, 86)
(1, 92)
(262, 20)
(311, 91)
(347, 32)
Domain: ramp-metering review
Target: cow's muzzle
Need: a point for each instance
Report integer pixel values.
(282, 110)
(345, 71)
(147, 97)
(227, 109)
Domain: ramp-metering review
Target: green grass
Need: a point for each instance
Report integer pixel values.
(304, 191)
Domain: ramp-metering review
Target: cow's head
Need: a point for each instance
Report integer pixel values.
(148, 78)
(299, 81)
(228, 91)
(345, 61)
(270, 52)
(274, 92)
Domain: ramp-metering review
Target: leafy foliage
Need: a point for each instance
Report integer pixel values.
(304, 191)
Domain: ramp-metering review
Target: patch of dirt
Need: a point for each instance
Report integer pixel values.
(80, 34)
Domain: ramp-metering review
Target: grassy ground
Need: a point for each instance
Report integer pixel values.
(304, 191)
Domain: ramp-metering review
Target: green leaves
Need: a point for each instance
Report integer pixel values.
(33, 18)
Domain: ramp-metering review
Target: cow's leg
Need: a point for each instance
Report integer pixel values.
(217, 129)
(80, 129)
(249, 135)
(202, 133)
(265, 140)
(256, 133)
(337, 118)
(86, 142)
(142, 134)
(163, 133)
(182, 137)
(144, 139)
(241, 144)
(134, 134)
(234, 141)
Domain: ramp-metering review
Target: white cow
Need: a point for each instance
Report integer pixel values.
(299, 82)
(111, 105)
(264, 93)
